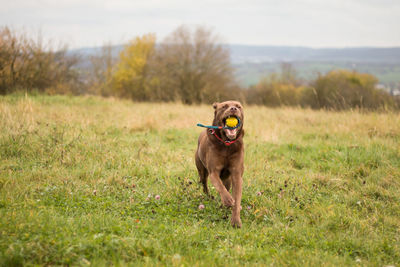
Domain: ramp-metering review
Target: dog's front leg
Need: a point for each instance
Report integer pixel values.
(226, 198)
(237, 182)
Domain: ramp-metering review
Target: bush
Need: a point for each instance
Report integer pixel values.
(276, 89)
(343, 89)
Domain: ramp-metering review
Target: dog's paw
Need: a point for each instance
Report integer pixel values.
(228, 200)
(236, 222)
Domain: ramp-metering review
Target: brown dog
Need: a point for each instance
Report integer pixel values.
(220, 154)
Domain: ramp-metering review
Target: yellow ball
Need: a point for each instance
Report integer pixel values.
(231, 122)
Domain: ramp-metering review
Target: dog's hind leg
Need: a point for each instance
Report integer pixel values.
(203, 173)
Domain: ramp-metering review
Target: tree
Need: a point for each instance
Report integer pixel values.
(13, 60)
(101, 71)
(193, 67)
(30, 65)
(288, 74)
(131, 77)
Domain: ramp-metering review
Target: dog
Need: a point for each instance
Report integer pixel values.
(220, 155)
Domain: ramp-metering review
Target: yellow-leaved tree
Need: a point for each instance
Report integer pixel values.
(131, 77)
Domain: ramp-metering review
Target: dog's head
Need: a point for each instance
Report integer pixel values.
(225, 110)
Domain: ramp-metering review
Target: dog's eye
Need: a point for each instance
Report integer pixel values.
(225, 106)
(238, 106)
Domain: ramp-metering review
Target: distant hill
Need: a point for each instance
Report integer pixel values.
(253, 62)
(256, 54)
(388, 74)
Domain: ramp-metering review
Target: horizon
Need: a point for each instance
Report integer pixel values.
(263, 45)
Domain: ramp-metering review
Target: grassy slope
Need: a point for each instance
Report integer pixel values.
(78, 176)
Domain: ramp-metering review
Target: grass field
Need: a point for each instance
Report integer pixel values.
(79, 178)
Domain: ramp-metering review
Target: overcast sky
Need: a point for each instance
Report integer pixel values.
(315, 23)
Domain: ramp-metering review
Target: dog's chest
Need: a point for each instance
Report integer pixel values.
(226, 157)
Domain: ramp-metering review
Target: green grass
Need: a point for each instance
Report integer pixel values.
(79, 176)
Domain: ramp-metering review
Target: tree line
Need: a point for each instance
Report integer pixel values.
(190, 66)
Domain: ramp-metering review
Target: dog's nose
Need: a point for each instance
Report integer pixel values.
(233, 108)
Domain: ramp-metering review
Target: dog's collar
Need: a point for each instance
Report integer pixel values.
(227, 143)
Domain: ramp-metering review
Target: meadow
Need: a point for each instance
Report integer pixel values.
(79, 178)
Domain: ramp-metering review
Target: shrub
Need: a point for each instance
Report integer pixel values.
(341, 89)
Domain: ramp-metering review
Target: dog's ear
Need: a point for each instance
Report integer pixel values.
(215, 105)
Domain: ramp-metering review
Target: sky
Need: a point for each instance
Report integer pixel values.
(312, 23)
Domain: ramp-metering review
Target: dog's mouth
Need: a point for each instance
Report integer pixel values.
(230, 132)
